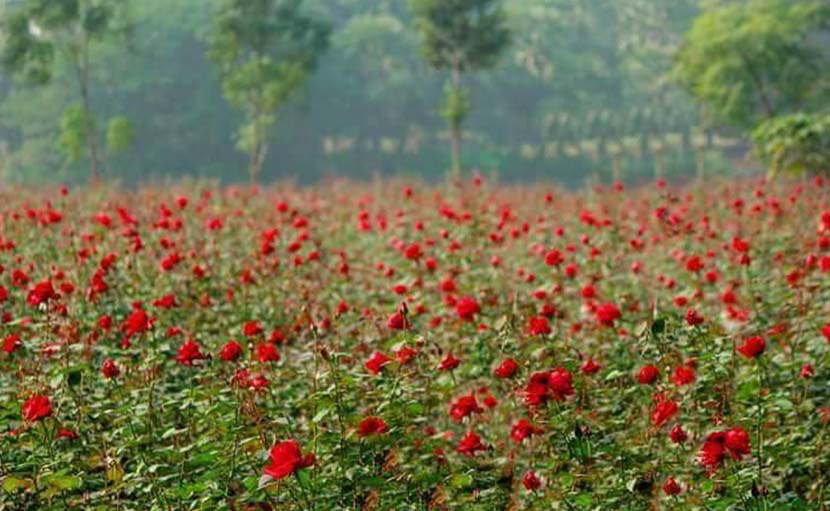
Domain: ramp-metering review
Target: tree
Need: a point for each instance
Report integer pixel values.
(265, 51)
(462, 36)
(38, 33)
(754, 60)
(796, 143)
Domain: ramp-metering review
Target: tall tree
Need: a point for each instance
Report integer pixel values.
(461, 36)
(39, 33)
(265, 51)
(750, 61)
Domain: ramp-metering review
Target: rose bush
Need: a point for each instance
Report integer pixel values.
(414, 347)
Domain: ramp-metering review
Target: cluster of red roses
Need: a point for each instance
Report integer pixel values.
(495, 328)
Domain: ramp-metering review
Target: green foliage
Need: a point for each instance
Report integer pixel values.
(601, 65)
(120, 134)
(795, 143)
(456, 106)
(182, 430)
(22, 52)
(460, 35)
(38, 31)
(465, 35)
(752, 60)
(72, 138)
(265, 51)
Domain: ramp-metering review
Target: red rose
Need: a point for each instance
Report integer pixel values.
(677, 435)
(554, 258)
(105, 322)
(267, 352)
(752, 347)
(740, 245)
(713, 452)
(506, 369)
(683, 375)
(166, 302)
(733, 442)
(561, 383)
(607, 313)
(671, 487)
(230, 351)
(694, 264)
(530, 481)
(371, 426)
(538, 326)
(648, 374)
(188, 353)
(11, 342)
(404, 355)
(286, 458)
(693, 318)
(110, 369)
(466, 308)
(413, 252)
(470, 444)
(523, 429)
(251, 329)
(396, 321)
(36, 408)
(136, 323)
(464, 407)
(590, 367)
(556, 384)
(449, 363)
(737, 442)
(67, 434)
(665, 410)
(447, 285)
(41, 293)
(376, 362)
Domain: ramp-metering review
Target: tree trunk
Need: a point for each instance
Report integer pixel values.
(258, 151)
(455, 127)
(82, 69)
(256, 160)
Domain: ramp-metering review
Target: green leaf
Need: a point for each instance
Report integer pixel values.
(12, 484)
(63, 482)
(322, 414)
(584, 500)
(461, 481)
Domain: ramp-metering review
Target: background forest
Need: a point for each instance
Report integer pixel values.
(584, 88)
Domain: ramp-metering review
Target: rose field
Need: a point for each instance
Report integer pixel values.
(397, 346)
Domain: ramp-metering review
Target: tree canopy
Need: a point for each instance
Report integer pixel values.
(42, 34)
(582, 86)
(461, 36)
(753, 60)
(265, 51)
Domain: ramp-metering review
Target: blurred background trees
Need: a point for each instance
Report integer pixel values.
(461, 36)
(42, 38)
(265, 51)
(626, 89)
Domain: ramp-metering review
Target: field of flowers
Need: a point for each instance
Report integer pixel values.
(413, 347)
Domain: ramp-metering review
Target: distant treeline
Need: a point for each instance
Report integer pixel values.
(176, 86)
